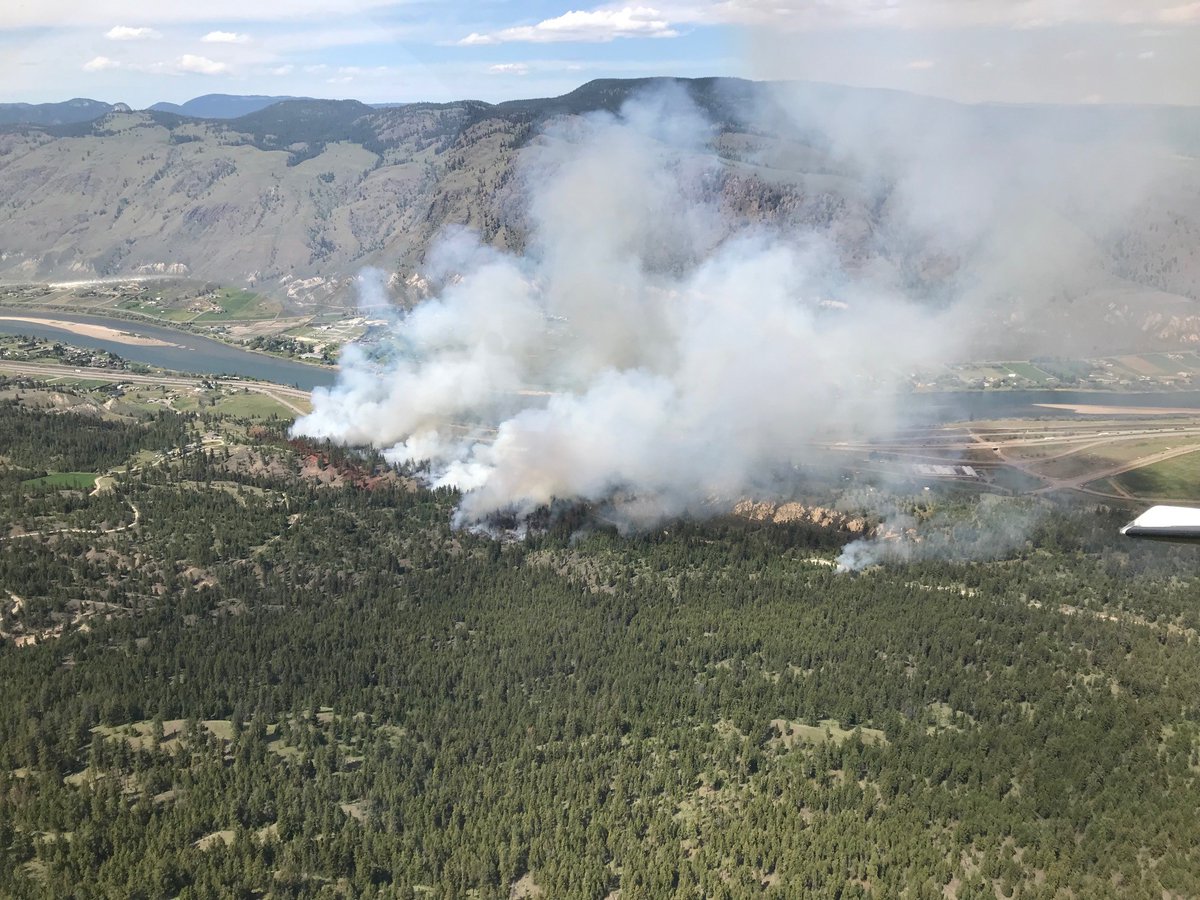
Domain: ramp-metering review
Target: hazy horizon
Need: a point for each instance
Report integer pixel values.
(383, 51)
(332, 96)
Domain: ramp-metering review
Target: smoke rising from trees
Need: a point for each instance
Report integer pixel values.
(646, 347)
(635, 348)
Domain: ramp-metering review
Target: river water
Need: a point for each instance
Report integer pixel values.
(955, 406)
(192, 353)
(205, 356)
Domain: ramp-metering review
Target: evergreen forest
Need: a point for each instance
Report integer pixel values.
(245, 667)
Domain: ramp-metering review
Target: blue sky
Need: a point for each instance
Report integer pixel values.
(140, 52)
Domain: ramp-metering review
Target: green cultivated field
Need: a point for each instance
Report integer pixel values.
(75, 480)
(239, 304)
(1174, 362)
(253, 406)
(235, 305)
(1095, 458)
(247, 405)
(1029, 371)
(1177, 479)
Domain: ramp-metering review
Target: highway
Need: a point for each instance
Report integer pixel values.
(1064, 440)
(281, 393)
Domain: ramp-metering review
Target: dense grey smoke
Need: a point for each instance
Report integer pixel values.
(645, 348)
(1014, 216)
(636, 347)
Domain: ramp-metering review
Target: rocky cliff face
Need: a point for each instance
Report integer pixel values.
(304, 194)
(789, 513)
(295, 199)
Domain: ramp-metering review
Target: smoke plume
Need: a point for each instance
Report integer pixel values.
(637, 347)
(992, 528)
(648, 344)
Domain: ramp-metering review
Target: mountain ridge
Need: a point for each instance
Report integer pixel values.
(294, 198)
(78, 109)
(220, 106)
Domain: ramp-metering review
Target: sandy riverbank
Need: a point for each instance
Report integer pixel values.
(94, 331)
(1084, 409)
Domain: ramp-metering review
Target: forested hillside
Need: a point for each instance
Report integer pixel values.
(262, 668)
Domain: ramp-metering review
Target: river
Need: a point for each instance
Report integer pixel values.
(190, 353)
(199, 355)
(954, 406)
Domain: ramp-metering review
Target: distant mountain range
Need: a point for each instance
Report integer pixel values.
(77, 110)
(219, 106)
(297, 195)
(210, 106)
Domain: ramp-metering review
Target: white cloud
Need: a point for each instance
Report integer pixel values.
(509, 69)
(56, 13)
(594, 26)
(919, 65)
(283, 70)
(1147, 54)
(225, 37)
(126, 33)
(100, 64)
(772, 13)
(930, 13)
(200, 65)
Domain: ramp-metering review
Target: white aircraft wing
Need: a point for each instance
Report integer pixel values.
(1166, 523)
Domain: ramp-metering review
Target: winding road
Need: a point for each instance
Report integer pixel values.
(137, 517)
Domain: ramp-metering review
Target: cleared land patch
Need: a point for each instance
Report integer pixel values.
(1140, 365)
(1030, 372)
(1177, 478)
(1104, 456)
(61, 480)
(827, 730)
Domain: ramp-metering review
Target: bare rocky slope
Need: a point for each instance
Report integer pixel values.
(295, 198)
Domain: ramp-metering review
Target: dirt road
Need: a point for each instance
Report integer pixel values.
(137, 517)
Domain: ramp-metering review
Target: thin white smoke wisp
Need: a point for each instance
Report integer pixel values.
(643, 348)
(994, 527)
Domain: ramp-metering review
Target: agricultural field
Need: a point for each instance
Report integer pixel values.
(1067, 371)
(1074, 462)
(228, 401)
(1175, 369)
(1179, 363)
(1139, 366)
(56, 480)
(204, 306)
(1030, 373)
(1171, 479)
